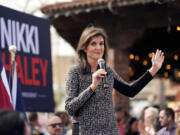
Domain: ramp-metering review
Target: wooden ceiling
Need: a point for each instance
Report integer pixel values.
(140, 28)
(119, 21)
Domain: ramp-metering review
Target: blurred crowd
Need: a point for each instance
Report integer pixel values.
(153, 121)
(14, 123)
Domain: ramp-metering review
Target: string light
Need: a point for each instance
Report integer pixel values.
(131, 56)
(176, 57)
(178, 28)
(168, 66)
(136, 58)
(145, 62)
(131, 72)
(178, 74)
(150, 55)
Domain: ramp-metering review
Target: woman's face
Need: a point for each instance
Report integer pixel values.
(95, 48)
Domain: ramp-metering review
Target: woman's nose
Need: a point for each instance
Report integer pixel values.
(98, 47)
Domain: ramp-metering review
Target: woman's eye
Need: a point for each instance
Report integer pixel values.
(102, 43)
(93, 43)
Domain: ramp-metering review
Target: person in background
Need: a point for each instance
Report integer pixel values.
(122, 118)
(54, 125)
(177, 132)
(166, 118)
(150, 121)
(13, 123)
(177, 114)
(34, 124)
(132, 127)
(177, 118)
(89, 85)
(65, 120)
(142, 113)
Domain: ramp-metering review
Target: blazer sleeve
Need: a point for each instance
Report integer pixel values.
(134, 88)
(75, 100)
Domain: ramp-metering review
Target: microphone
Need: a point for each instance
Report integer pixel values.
(101, 64)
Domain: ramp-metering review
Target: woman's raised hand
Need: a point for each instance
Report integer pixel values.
(157, 61)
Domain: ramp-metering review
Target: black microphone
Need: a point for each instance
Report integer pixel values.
(101, 64)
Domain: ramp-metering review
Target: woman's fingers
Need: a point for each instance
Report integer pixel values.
(158, 59)
(158, 55)
(101, 73)
(153, 56)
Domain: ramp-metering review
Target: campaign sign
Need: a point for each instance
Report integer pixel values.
(31, 35)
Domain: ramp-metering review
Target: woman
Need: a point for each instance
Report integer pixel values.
(89, 101)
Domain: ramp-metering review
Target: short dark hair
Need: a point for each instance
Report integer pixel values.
(169, 112)
(58, 114)
(33, 116)
(11, 123)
